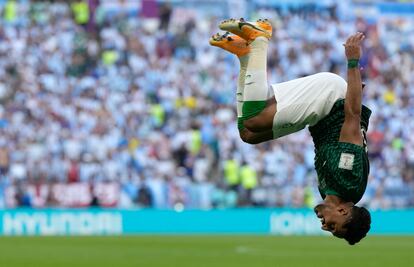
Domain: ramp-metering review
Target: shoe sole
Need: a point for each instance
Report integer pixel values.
(236, 27)
(223, 41)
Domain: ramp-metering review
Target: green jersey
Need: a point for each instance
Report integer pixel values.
(342, 168)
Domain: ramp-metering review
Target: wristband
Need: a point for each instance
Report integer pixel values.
(353, 63)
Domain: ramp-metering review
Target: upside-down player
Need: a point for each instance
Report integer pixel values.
(326, 102)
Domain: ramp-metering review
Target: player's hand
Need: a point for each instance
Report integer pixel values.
(352, 46)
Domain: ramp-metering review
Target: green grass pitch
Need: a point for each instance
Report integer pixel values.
(208, 251)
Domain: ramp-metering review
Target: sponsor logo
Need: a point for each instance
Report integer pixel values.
(62, 223)
(241, 24)
(346, 161)
(294, 223)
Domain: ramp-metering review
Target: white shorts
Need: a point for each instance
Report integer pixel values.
(305, 101)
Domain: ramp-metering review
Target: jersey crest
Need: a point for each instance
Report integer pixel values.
(346, 161)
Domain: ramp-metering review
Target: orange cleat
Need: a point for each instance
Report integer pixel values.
(249, 31)
(232, 43)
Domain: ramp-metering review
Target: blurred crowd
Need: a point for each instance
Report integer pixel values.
(115, 108)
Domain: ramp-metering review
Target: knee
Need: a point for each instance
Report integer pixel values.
(251, 124)
(255, 124)
(247, 137)
(262, 121)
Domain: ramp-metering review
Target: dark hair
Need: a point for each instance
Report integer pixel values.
(358, 225)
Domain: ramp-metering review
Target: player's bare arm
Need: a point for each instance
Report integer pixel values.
(351, 129)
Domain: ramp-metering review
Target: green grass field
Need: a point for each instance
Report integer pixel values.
(211, 251)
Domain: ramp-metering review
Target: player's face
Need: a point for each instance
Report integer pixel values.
(333, 218)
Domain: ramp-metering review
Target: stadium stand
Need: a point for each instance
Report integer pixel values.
(126, 105)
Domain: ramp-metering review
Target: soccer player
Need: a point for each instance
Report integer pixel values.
(329, 105)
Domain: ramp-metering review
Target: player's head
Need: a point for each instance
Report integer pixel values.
(344, 220)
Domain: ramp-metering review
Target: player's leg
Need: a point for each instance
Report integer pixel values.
(238, 46)
(257, 115)
(257, 137)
